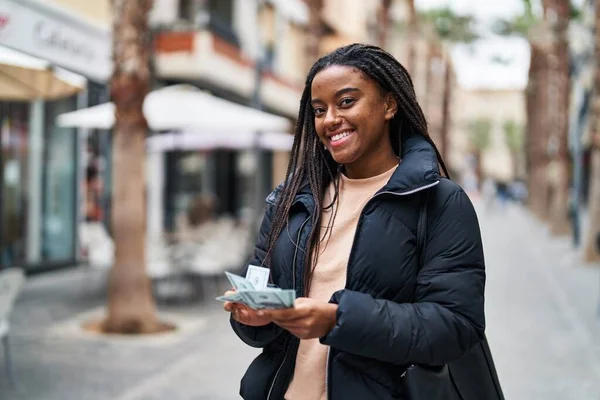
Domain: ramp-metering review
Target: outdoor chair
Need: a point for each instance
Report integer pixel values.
(11, 281)
(225, 250)
(98, 246)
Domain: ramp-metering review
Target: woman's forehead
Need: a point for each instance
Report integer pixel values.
(335, 77)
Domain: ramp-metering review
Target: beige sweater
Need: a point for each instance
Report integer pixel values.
(329, 276)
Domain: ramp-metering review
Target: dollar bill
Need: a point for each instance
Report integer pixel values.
(259, 296)
(262, 299)
(258, 276)
(234, 298)
(239, 283)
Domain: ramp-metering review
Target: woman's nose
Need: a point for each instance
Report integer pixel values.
(331, 120)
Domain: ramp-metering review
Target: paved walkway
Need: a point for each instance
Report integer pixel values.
(542, 326)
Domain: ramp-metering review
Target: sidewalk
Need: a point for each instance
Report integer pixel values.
(541, 312)
(543, 325)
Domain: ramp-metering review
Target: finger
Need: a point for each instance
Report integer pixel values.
(280, 315)
(228, 306)
(230, 292)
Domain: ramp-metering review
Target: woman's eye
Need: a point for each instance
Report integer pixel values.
(318, 111)
(346, 102)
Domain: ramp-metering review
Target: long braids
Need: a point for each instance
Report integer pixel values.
(311, 164)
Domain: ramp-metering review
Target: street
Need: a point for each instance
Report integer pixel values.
(541, 324)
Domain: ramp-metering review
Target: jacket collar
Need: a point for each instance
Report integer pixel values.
(418, 169)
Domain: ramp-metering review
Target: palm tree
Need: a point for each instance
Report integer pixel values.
(558, 114)
(131, 307)
(514, 139)
(446, 28)
(592, 244)
(315, 31)
(480, 138)
(412, 37)
(533, 29)
(384, 22)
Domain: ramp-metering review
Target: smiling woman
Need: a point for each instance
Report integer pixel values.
(342, 231)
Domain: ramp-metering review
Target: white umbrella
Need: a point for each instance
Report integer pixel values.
(183, 107)
(195, 140)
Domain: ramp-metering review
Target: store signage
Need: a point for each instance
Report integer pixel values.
(56, 37)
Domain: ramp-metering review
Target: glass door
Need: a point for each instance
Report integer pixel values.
(59, 185)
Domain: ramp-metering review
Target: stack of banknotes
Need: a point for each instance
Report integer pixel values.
(255, 292)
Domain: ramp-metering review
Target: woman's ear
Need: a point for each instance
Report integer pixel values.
(391, 106)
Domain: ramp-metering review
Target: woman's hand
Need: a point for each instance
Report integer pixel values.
(308, 319)
(244, 314)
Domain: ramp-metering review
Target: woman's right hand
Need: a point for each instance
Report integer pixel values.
(244, 314)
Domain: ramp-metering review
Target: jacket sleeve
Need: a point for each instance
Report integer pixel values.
(447, 316)
(259, 336)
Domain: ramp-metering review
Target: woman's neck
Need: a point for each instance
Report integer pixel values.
(372, 166)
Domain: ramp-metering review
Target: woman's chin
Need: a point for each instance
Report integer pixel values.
(343, 157)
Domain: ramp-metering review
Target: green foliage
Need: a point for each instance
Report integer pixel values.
(480, 133)
(450, 26)
(575, 14)
(514, 135)
(519, 26)
(522, 24)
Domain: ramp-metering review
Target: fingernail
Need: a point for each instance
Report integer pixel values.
(260, 313)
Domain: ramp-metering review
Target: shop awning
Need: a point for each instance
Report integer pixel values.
(191, 140)
(183, 107)
(25, 78)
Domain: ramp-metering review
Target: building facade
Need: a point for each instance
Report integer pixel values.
(43, 44)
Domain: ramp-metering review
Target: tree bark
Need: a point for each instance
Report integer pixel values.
(131, 307)
(446, 110)
(592, 252)
(592, 242)
(559, 112)
(537, 132)
(315, 31)
(412, 38)
(384, 22)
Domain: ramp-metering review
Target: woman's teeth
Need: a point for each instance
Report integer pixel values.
(339, 136)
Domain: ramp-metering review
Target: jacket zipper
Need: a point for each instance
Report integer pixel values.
(327, 373)
(294, 287)
(412, 191)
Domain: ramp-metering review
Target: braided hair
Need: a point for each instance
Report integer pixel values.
(311, 163)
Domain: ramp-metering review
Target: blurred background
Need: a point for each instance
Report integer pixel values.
(140, 138)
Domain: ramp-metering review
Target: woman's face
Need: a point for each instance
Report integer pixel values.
(351, 115)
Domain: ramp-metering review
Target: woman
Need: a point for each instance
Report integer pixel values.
(342, 232)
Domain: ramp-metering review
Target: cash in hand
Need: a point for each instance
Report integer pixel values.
(253, 290)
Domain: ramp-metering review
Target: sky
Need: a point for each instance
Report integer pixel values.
(474, 64)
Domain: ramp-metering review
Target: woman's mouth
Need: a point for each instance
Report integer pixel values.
(340, 138)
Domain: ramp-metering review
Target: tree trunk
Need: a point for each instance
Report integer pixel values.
(446, 110)
(559, 109)
(384, 22)
(315, 31)
(412, 38)
(537, 131)
(131, 308)
(592, 241)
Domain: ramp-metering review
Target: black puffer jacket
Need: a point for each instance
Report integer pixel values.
(391, 313)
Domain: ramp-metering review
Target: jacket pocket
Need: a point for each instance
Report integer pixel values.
(257, 380)
(384, 374)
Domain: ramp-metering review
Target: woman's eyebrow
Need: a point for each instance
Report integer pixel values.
(338, 93)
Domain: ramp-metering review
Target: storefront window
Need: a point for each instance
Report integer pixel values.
(188, 176)
(97, 185)
(13, 182)
(59, 185)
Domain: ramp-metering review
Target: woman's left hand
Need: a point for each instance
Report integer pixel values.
(308, 319)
